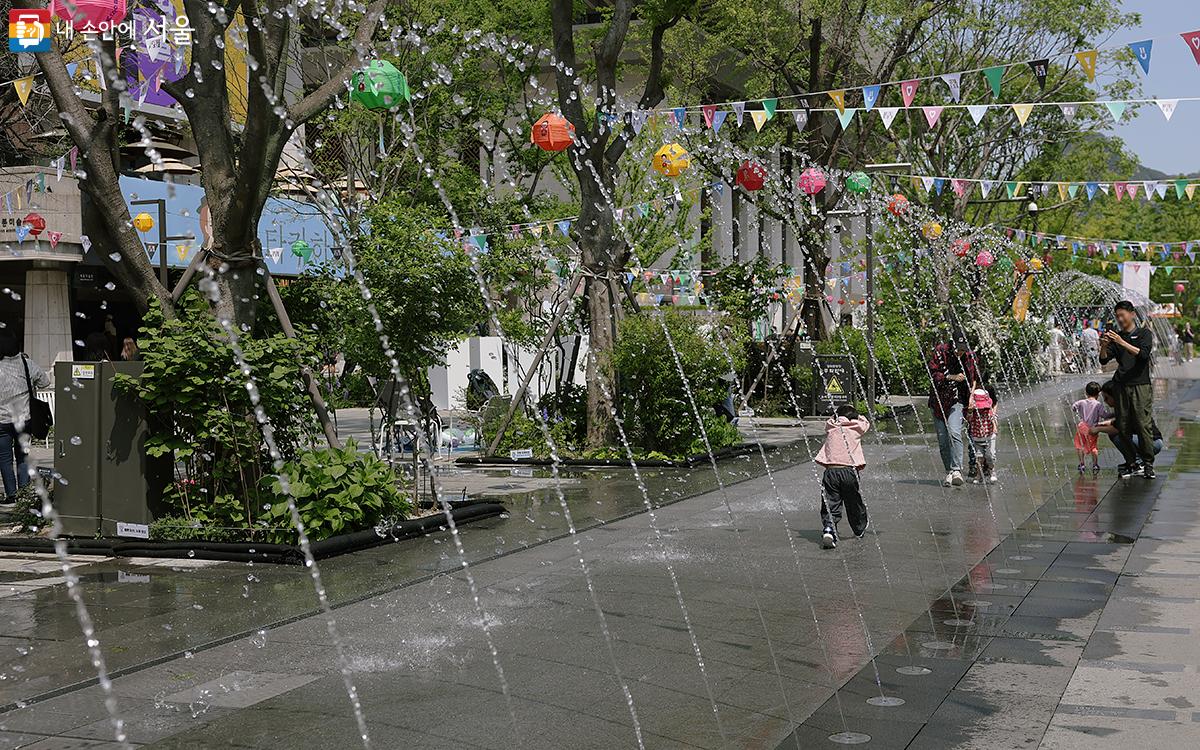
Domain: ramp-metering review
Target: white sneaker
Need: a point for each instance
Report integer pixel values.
(948, 480)
(956, 478)
(977, 480)
(992, 479)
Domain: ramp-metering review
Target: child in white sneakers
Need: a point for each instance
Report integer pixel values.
(842, 457)
(982, 429)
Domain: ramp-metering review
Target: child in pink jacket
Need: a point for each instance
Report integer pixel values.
(842, 457)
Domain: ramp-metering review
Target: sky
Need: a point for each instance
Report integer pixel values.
(1172, 147)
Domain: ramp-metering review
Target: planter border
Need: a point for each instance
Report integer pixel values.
(732, 451)
(280, 554)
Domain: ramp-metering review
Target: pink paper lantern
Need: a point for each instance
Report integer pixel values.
(89, 15)
(1179, 288)
(984, 259)
(812, 181)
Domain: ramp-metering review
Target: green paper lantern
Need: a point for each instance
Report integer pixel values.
(858, 182)
(302, 249)
(379, 86)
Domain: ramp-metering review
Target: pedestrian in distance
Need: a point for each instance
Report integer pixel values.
(19, 376)
(1132, 347)
(842, 458)
(952, 370)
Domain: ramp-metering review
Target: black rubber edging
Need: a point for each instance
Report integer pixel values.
(280, 554)
(650, 463)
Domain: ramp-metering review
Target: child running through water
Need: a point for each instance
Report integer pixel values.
(1090, 411)
(982, 429)
(842, 457)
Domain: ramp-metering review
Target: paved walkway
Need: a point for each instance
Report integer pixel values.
(724, 623)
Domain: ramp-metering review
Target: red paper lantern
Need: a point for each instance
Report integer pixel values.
(89, 15)
(36, 224)
(1047, 258)
(1179, 288)
(1021, 265)
(961, 247)
(552, 133)
(751, 176)
(812, 181)
(898, 205)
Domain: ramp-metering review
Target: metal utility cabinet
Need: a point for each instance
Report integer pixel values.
(108, 486)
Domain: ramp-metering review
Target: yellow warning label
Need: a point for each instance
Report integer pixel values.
(834, 387)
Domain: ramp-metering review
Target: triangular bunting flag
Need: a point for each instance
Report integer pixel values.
(54, 237)
(985, 187)
(959, 187)
(1167, 106)
(1190, 190)
(870, 96)
(769, 106)
(719, 120)
(801, 118)
(1022, 111)
(1062, 191)
(564, 227)
(1068, 111)
(1072, 189)
(1161, 189)
(759, 117)
(994, 76)
(1180, 188)
(908, 90)
(1087, 61)
(931, 115)
(954, 81)
(977, 111)
(22, 231)
(927, 183)
(845, 116)
(23, 86)
(1192, 38)
(1119, 189)
(739, 109)
(708, 110)
(1116, 109)
(887, 114)
(639, 121)
(1104, 187)
(1011, 187)
(839, 99)
(939, 184)
(1041, 68)
(679, 115)
(1141, 52)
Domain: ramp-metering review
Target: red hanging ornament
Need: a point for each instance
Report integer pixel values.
(898, 205)
(751, 176)
(1047, 258)
(36, 224)
(961, 246)
(552, 133)
(1021, 265)
(812, 181)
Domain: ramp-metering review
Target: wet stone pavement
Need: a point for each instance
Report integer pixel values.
(1048, 609)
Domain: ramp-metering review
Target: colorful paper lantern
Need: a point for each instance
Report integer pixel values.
(89, 15)
(552, 132)
(931, 230)
(898, 205)
(858, 182)
(671, 160)
(379, 86)
(1035, 264)
(1021, 265)
(143, 222)
(751, 176)
(961, 246)
(1047, 259)
(812, 181)
(301, 249)
(984, 259)
(1180, 288)
(36, 224)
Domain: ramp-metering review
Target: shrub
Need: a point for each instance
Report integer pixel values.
(336, 490)
(653, 396)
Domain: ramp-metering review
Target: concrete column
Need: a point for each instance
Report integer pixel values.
(48, 315)
(722, 225)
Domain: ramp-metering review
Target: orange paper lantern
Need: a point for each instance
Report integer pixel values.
(898, 205)
(552, 133)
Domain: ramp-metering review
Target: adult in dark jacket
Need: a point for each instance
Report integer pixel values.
(1132, 346)
(952, 370)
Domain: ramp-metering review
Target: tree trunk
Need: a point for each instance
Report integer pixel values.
(598, 246)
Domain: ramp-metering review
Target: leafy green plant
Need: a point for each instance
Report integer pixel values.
(654, 403)
(336, 490)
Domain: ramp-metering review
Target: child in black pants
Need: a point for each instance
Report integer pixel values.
(842, 457)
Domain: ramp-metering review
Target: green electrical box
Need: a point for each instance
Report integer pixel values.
(107, 485)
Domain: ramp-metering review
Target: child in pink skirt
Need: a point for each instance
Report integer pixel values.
(1089, 412)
